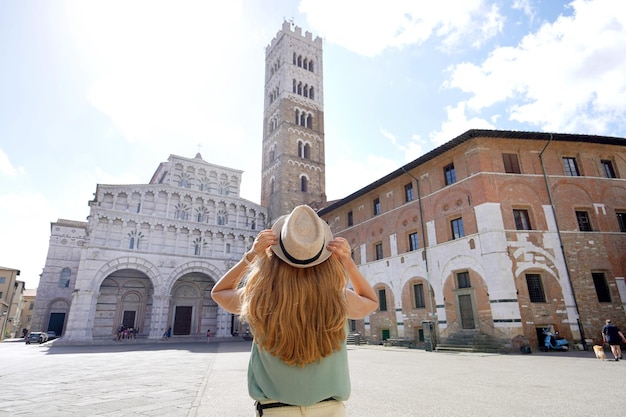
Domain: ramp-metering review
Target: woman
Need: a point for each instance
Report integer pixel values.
(296, 300)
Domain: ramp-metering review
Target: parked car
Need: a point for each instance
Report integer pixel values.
(36, 337)
(52, 335)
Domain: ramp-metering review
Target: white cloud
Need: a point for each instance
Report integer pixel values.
(368, 27)
(21, 223)
(7, 168)
(568, 76)
(345, 176)
(456, 124)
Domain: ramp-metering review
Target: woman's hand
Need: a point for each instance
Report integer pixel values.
(263, 240)
(340, 248)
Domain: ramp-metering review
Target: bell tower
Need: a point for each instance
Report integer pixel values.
(293, 170)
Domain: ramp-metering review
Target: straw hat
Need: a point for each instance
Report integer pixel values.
(302, 238)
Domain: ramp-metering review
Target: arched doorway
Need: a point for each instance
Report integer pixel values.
(192, 310)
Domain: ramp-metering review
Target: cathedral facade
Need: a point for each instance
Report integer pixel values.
(148, 256)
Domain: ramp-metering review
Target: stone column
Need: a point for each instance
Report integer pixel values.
(223, 323)
(81, 316)
(160, 310)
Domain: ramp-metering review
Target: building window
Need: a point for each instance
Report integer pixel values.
(450, 174)
(64, 279)
(413, 242)
(511, 164)
(408, 192)
(3, 280)
(602, 287)
(621, 220)
(376, 207)
(571, 168)
(379, 251)
(418, 295)
(457, 228)
(350, 219)
(522, 221)
(535, 288)
(304, 184)
(382, 300)
(463, 280)
(607, 169)
(584, 224)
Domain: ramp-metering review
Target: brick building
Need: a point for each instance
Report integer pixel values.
(495, 233)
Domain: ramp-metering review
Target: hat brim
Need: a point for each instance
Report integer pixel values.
(325, 254)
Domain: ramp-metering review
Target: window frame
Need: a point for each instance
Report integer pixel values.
(571, 166)
(382, 299)
(621, 220)
(376, 206)
(463, 280)
(458, 221)
(414, 243)
(418, 296)
(601, 286)
(408, 192)
(449, 174)
(583, 219)
(350, 218)
(522, 219)
(378, 251)
(607, 168)
(511, 163)
(537, 293)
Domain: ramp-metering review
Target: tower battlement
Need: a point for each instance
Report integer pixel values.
(287, 28)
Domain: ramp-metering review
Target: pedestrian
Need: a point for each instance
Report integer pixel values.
(614, 337)
(208, 334)
(295, 299)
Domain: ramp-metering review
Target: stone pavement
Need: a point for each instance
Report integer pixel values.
(171, 378)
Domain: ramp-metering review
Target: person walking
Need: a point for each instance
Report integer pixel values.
(295, 298)
(614, 337)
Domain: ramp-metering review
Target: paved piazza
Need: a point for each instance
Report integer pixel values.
(200, 379)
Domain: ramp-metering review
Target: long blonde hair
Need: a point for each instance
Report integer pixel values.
(296, 314)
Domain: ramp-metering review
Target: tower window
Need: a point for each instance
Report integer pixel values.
(376, 206)
(304, 184)
(311, 95)
(64, 279)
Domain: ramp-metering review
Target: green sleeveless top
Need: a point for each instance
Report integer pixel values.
(269, 378)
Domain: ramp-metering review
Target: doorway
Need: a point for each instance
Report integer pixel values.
(182, 320)
(467, 311)
(57, 320)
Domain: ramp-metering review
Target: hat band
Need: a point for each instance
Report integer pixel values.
(299, 261)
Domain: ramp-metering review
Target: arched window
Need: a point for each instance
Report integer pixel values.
(272, 153)
(64, 278)
(305, 63)
(300, 61)
(300, 88)
(311, 93)
(304, 184)
(307, 151)
(303, 119)
(294, 85)
(297, 117)
(311, 65)
(309, 121)
(305, 91)
(272, 186)
(294, 58)
(222, 218)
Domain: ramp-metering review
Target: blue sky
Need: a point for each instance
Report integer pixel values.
(101, 92)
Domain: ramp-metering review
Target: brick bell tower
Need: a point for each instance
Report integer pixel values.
(293, 170)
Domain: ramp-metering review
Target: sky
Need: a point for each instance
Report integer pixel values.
(101, 92)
